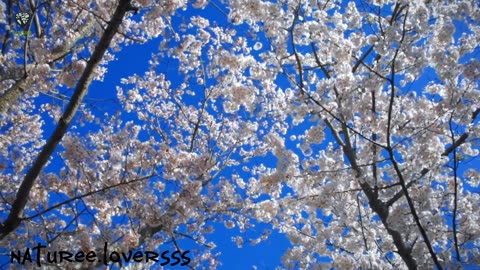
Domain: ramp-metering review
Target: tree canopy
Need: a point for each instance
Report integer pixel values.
(350, 127)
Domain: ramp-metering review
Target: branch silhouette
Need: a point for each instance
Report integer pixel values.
(15, 216)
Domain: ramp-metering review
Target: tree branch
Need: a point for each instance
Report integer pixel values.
(394, 162)
(11, 95)
(461, 140)
(15, 216)
(455, 192)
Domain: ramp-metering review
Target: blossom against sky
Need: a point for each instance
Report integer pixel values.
(349, 128)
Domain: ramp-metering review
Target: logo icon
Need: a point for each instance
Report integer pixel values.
(22, 19)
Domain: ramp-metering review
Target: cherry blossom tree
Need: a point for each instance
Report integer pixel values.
(348, 126)
(381, 178)
(143, 183)
(160, 187)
